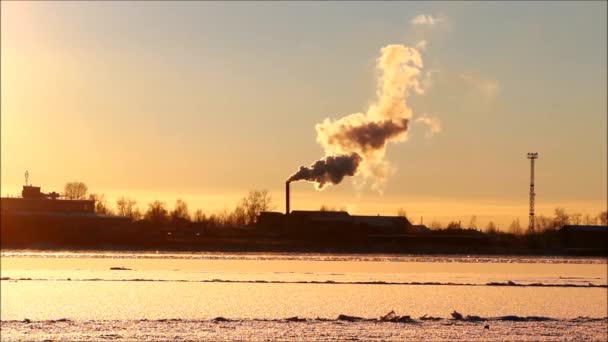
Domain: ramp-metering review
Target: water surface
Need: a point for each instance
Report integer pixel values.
(84, 290)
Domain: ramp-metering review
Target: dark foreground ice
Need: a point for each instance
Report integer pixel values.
(344, 328)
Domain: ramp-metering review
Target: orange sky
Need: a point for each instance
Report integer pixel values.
(205, 101)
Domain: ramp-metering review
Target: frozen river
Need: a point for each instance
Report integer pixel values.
(166, 296)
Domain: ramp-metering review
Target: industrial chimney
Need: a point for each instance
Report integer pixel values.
(287, 198)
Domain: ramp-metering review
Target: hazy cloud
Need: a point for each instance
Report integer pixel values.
(424, 19)
(486, 87)
(421, 45)
(433, 123)
(427, 80)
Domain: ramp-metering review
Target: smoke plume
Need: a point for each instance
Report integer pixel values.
(330, 169)
(356, 143)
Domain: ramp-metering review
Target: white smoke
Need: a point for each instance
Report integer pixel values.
(359, 140)
(386, 120)
(424, 19)
(433, 123)
(421, 45)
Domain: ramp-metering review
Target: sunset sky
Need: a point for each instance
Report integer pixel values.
(204, 101)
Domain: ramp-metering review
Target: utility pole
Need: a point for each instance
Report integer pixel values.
(531, 225)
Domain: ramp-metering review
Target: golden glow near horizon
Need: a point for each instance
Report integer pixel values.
(205, 101)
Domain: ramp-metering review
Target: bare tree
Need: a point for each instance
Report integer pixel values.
(543, 223)
(454, 225)
(101, 205)
(239, 216)
(515, 227)
(589, 220)
(561, 218)
(180, 211)
(473, 222)
(491, 228)
(128, 207)
(136, 214)
(223, 218)
(75, 190)
(435, 225)
(199, 216)
(603, 218)
(326, 207)
(254, 203)
(576, 218)
(157, 212)
(212, 220)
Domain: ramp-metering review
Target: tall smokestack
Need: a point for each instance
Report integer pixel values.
(287, 198)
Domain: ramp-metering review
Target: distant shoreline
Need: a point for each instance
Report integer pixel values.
(324, 250)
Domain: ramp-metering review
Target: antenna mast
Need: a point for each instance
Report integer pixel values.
(27, 177)
(531, 225)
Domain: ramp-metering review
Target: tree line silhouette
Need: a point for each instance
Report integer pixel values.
(158, 213)
(256, 201)
(543, 223)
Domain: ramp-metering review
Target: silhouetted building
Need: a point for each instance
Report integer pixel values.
(40, 219)
(33, 201)
(333, 221)
(578, 238)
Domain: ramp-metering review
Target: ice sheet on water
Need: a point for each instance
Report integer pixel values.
(390, 317)
(299, 329)
(326, 282)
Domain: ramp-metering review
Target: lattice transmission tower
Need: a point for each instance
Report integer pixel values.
(531, 225)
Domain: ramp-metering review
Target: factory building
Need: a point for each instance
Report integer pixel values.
(584, 239)
(48, 220)
(333, 221)
(329, 222)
